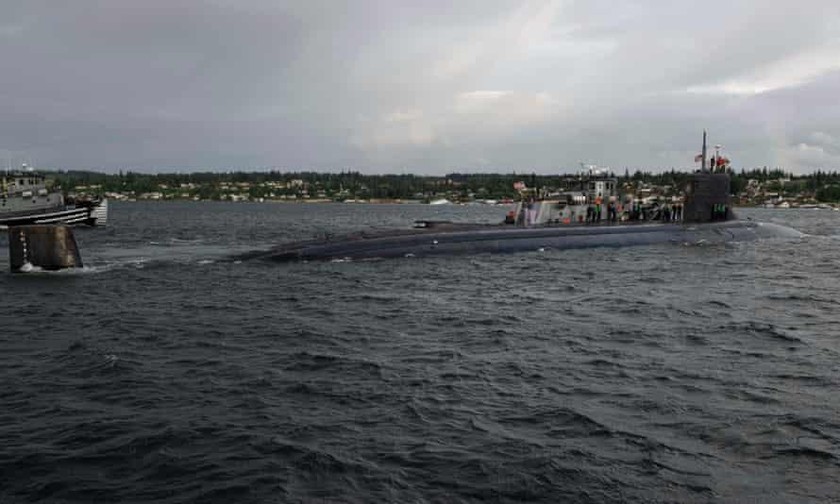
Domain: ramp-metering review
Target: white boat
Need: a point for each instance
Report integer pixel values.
(441, 201)
(26, 199)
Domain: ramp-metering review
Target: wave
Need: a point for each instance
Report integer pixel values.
(763, 329)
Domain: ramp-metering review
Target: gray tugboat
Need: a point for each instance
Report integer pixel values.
(26, 199)
(588, 217)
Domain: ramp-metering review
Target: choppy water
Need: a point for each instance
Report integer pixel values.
(648, 374)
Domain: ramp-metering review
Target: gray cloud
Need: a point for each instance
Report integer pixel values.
(425, 87)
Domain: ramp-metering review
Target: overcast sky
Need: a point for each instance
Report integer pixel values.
(418, 86)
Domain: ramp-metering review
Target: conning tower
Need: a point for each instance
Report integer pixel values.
(707, 194)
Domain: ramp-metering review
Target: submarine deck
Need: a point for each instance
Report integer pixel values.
(442, 238)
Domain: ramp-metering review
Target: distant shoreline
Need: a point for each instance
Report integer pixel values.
(754, 187)
(310, 202)
(820, 206)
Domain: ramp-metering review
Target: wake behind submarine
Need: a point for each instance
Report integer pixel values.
(576, 219)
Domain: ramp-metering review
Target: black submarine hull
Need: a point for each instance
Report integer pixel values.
(504, 239)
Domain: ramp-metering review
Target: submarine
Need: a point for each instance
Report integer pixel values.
(576, 219)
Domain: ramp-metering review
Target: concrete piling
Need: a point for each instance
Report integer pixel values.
(49, 247)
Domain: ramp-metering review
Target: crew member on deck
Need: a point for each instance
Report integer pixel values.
(598, 208)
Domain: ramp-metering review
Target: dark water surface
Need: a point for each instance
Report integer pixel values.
(650, 374)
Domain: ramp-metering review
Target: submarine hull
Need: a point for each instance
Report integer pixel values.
(499, 239)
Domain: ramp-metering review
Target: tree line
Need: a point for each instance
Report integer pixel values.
(825, 186)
